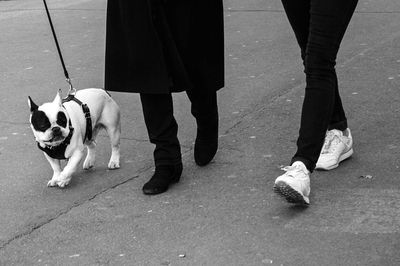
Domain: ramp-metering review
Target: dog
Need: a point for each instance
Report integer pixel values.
(64, 127)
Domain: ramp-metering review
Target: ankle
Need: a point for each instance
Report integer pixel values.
(346, 132)
(303, 162)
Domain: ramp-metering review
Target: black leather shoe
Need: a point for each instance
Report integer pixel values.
(164, 176)
(206, 144)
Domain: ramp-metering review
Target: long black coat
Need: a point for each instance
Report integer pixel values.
(161, 46)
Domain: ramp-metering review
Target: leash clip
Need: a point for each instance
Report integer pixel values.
(72, 90)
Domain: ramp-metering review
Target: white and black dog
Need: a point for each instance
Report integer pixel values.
(63, 128)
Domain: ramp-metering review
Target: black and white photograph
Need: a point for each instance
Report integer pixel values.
(209, 132)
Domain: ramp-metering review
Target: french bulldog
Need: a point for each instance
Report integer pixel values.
(61, 131)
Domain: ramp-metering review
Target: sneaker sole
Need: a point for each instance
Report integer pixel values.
(291, 195)
(342, 157)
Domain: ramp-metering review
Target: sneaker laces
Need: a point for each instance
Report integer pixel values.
(291, 170)
(331, 141)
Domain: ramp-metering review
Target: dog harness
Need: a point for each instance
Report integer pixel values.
(58, 152)
(86, 112)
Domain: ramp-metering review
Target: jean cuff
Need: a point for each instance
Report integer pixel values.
(309, 164)
(342, 125)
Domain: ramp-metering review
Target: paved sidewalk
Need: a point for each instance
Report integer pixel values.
(225, 213)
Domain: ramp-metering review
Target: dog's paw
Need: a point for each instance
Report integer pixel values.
(89, 160)
(52, 183)
(58, 182)
(113, 165)
(88, 164)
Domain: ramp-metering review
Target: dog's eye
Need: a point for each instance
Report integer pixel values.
(40, 121)
(61, 119)
(43, 127)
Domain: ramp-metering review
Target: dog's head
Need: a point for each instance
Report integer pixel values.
(49, 122)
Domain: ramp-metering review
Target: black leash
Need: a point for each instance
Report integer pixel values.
(71, 88)
(59, 152)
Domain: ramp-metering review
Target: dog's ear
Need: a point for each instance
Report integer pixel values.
(57, 99)
(33, 106)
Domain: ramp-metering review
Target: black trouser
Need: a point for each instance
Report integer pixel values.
(319, 26)
(161, 124)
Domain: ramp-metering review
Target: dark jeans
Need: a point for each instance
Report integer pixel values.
(319, 26)
(162, 127)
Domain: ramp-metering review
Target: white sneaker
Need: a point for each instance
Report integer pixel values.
(294, 185)
(338, 146)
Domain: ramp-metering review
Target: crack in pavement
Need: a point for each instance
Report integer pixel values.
(5, 243)
(27, 232)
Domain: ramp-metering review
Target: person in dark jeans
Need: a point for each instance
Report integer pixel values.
(155, 48)
(324, 137)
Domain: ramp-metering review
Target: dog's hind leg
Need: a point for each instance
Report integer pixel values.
(111, 121)
(114, 133)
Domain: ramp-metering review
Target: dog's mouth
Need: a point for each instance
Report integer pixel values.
(55, 139)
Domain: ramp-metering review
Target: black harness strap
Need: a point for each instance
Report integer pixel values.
(86, 112)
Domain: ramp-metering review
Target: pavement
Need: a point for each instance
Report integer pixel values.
(225, 213)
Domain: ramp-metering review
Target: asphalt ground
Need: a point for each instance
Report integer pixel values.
(225, 213)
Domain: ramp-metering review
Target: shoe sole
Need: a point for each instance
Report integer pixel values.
(291, 195)
(342, 157)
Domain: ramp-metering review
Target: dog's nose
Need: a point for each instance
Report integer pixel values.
(56, 131)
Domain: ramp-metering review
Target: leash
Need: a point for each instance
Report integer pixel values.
(58, 152)
(72, 90)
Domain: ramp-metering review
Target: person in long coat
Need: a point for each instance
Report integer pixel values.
(155, 48)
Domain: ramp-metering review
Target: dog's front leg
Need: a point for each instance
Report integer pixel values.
(56, 166)
(65, 176)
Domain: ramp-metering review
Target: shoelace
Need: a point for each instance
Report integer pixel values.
(291, 170)
(330, 138)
